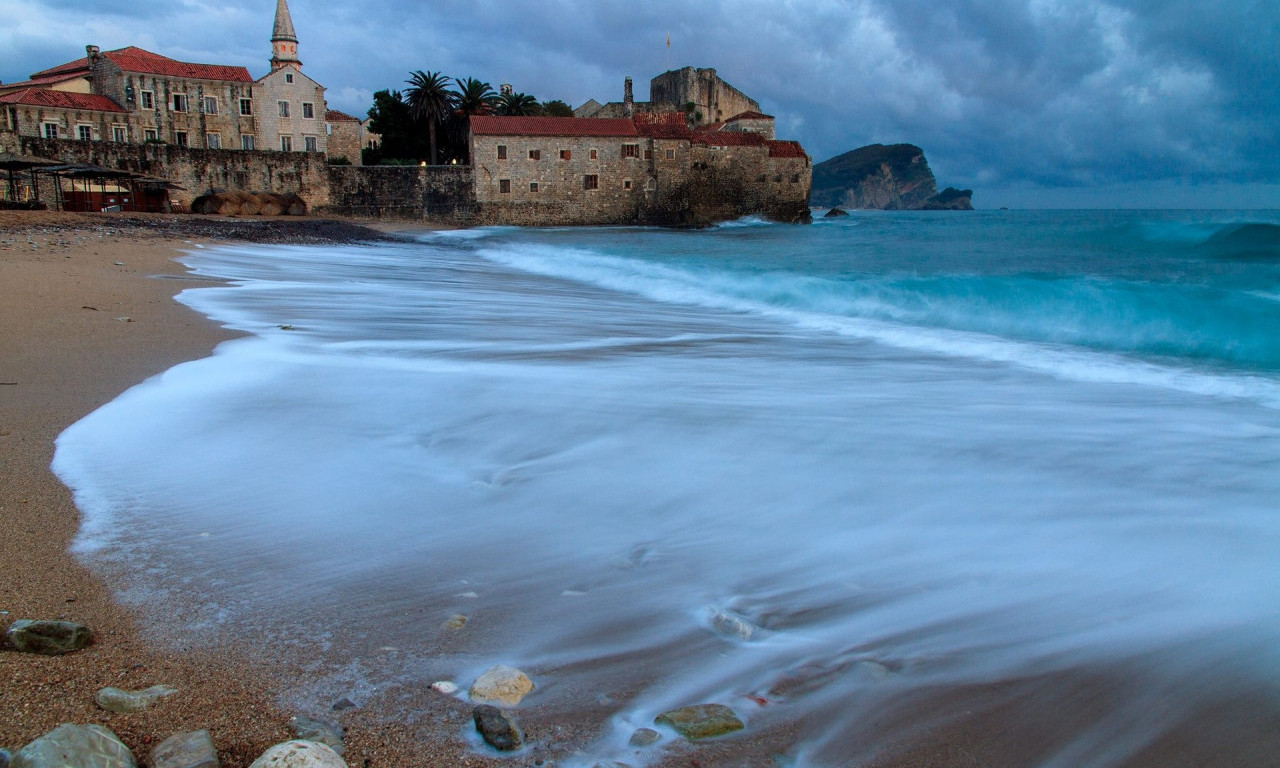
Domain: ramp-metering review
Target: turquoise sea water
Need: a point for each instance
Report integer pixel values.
(912, 450)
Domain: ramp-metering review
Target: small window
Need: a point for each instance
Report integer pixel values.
(533, 186)
(311, 143)
(246, 106)
(504, 186)
(671, 154)
(179, 102)
(595, 155)
(286, 143)
(213, 140)
(535, 154)
(795, 179)
(648, 154)
(763, 177)
(502, 151)
(566, 154)
(626, 183)
(149, 134)
(631, 150)
(210, 105)
(180, 138)
(284, 108)
(246, 141)
(51, 130)
(591, 181)
(148, 100)
(288, 77)
(652, 184)
(308, 110)
(119, 134)
(84, 132)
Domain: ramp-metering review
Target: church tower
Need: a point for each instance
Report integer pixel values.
(284, 42)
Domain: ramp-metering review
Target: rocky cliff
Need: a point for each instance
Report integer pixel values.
(893, 177)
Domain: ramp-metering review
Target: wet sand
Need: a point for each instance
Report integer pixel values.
(87, 310)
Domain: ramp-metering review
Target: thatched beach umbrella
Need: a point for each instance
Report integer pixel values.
(11, 162)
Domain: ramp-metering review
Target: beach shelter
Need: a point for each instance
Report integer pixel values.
(113, 191)
(11, 162)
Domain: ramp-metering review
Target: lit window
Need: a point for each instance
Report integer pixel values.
(504, 186)
(286, 143)
(180, 138)
(308, 110)
(246, 106)
(213, 140)
(535, 154)
(148, 100)
(284, 108)
(84, 132)
(502, 152)
(179, 102)
(246, 141)
(311, 143)
(591, 181)
(51, 130)
(210, 105)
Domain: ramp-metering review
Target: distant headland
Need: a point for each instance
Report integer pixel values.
(893, 177)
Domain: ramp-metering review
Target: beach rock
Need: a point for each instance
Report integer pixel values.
(343, 704)
(319, 730)
(644, 737)
(299, 754)
(68, 745)
(701, 721)
(498, 729)
(612, 764)
(732, 625)
(456, 621)
(127, 702)
(50, 638)
(186, 750)
(5, 757)
(447, 687)
(834, 212)
(501, 684)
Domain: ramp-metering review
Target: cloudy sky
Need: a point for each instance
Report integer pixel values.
(1032, 103)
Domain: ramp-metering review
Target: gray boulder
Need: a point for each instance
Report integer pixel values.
(299, 754)
(326, 732)
(51, 638)
(701, 721)
(498, 729)
(75, 746)
(644, 737)
(5, 757)
(128, 702)
(186, 750)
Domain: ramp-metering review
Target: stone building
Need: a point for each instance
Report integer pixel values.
(162, 100)
(345, 135)
(700, 94)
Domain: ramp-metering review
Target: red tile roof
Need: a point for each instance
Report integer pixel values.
(729, 139)
(785, 149)
(334, 116)
(665, 131)
(494, 125)
(750, 115)
(134, 59)
(44, 97)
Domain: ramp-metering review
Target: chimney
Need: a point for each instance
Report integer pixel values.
(92, 50)
(628, 98)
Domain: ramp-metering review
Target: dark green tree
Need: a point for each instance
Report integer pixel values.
(429, 103)
(556, 108)
(472, 97)
(391, 117)
(517, 105)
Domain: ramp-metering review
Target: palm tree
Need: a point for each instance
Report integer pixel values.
(473, 97)
(517, 105)
(429, 99)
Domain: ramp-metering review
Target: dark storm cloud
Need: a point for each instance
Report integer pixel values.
(1000, 93)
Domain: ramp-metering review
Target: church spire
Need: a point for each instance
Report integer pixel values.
(284, 42)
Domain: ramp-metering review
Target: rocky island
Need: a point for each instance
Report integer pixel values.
(895, 177)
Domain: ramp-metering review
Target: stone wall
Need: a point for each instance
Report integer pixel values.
(198, 171)
(440, 193)
(713, 99)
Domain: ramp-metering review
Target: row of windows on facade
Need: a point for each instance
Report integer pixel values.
(179, 103)
(628, 150)
(211, 140)
(589, 181)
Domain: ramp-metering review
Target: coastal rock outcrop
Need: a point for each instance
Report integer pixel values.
(49, 638)
(68, 744)
(893, 177)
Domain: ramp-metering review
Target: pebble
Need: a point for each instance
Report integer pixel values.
(299, 754)
(501, 684)
(456, 621)
(498, 728)
(447, 687)
(127, 702)
(643, 737)
(732, 625)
